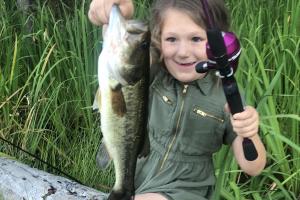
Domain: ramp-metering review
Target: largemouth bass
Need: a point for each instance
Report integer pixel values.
(123, 71)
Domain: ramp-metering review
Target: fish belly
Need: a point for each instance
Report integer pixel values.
(122, 135)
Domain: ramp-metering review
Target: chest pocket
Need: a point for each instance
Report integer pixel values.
(161, 110)
(205, 128)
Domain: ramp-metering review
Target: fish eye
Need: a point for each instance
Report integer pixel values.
(134, 31)
(136, 27)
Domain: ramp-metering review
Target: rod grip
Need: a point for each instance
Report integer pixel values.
(235, 104)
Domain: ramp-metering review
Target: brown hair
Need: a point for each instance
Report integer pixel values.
(194, 9)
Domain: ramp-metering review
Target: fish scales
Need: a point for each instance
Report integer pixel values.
(123, 75)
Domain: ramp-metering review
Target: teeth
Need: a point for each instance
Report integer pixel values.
(187, 63)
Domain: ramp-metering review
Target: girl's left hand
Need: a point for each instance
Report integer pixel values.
(246, 123)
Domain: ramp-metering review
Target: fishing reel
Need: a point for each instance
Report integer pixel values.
(223, 51)
(233, 52)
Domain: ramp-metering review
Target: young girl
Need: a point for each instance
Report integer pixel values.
(187, 117)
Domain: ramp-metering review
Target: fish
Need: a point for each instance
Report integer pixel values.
(122, 99)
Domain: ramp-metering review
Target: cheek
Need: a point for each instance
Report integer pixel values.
(167, 50)
(201, 53)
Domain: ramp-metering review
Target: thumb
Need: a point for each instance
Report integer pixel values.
(127, 9)
(226, 108)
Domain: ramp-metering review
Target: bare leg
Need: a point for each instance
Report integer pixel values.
(150, 196)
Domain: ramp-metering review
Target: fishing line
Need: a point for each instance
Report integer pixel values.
(39, 159)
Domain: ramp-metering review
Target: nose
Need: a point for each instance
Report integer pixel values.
(183, 49)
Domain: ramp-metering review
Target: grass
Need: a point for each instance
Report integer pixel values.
(269, 73)
(48, 79)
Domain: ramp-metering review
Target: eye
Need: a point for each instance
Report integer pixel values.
(170, 39)
(197, 39)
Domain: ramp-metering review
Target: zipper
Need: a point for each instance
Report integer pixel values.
(205, 114)
(184, 91)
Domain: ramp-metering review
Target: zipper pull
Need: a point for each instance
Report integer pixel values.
(185, 87)
(204, 114)
(200, 112)
(167, 100)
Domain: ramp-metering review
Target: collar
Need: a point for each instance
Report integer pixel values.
(204, 84)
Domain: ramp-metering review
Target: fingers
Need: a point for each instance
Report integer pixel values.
(127, 8)
(245, 118)
(248, 112)
(246, 123)
(247, 131)
(226, 108)
(100, 9)
(97, 12)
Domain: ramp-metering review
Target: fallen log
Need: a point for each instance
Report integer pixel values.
(21, 182)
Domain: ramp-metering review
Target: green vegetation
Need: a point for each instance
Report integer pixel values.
(48, 80)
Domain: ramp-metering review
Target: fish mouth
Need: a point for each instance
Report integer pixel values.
(115, 15)
(117, 24)
(125, 46)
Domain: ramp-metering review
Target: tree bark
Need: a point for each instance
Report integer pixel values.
(19, 182)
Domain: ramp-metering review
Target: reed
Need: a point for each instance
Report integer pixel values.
(268, 73)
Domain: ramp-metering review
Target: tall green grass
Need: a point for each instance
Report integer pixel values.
(48, 80)
(269, 70)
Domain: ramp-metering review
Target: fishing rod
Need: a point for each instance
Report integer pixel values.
(223, 51)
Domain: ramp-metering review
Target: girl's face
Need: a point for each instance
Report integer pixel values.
(182, 45)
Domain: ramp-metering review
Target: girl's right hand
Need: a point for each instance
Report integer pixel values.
(100, 9)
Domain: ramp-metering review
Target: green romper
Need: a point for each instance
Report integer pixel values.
(187, 124)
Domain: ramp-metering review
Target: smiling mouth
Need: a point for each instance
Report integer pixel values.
(189, 64)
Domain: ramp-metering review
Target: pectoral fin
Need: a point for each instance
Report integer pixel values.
(102, 158)
(118, 101)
